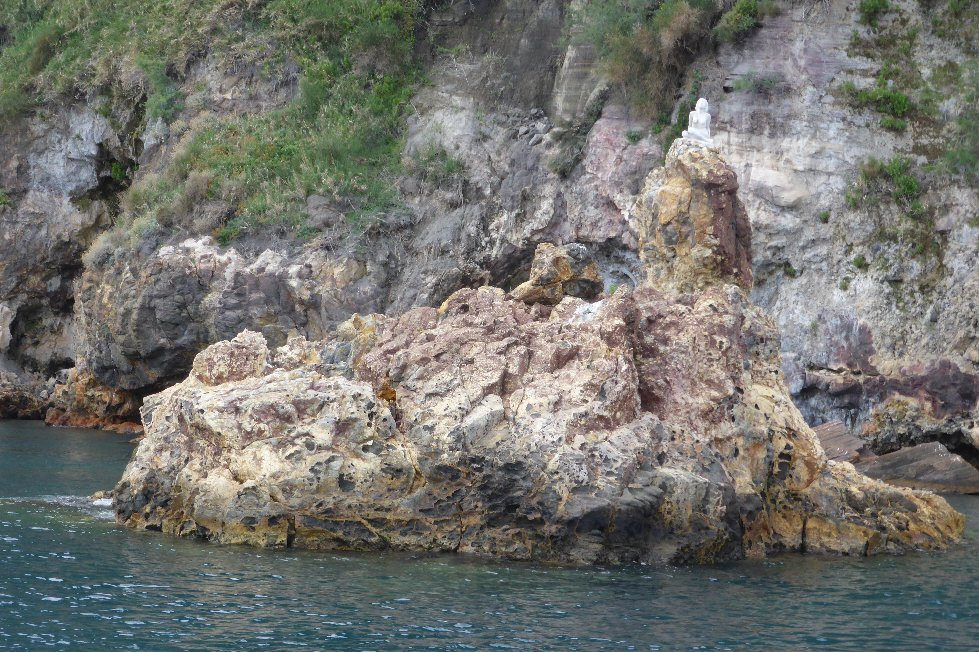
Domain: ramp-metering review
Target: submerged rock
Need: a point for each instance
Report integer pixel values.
(648, 426)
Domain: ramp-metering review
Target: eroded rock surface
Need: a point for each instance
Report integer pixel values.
(694, 230)
(558, 272)
(903, 421)
(646, 426)
(904, 321)
(81, 401)
(18, 400)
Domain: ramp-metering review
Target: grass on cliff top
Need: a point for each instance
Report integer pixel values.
(55, 48)
(339, 138)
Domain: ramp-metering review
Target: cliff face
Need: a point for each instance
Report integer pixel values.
(515, 140)
(650, 425)
(874, 295)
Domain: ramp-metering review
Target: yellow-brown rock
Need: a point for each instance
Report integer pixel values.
(84, 402)
(693, 229)
(557, 272)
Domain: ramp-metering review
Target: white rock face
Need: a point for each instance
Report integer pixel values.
(797, 149)
(64, 158)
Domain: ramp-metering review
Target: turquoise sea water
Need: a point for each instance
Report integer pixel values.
(71, 579)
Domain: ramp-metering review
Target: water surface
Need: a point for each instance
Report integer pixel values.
(71, 579)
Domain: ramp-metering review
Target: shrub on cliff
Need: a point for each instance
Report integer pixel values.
(646, 45)
(871, 10)
(738, 22)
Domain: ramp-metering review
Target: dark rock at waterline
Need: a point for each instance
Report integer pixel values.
(18, 402)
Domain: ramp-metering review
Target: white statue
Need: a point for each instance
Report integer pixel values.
(699, 126)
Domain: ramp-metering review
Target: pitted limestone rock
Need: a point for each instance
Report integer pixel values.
(558, 272)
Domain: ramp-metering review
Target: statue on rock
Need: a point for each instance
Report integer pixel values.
(699, 126)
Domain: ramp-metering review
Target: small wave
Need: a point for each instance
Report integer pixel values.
(96, 508)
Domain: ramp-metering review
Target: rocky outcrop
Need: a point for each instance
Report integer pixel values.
(51, 178)
(143, 319)
(81, 401)
(916, 465)
(558, 272)
(646, 426)
(17, 399)
(143, 316)
(63, 172)
(694, 230)
(902, 421)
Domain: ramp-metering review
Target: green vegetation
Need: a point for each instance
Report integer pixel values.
(4, 199)
(962, 157)
(633, 136)
(957, 21)
(789, 270)
(871, 10)
(646, 45)
(761, 84)
(896, 180)
(845, 283)
(57, 47)
(340, 138)
(738, 22)
(894, 176)
(893, 104)
(824, 216)
(684, 107)
(119, 172)
(438, 167)
(902, 94)
(860, 262)
(893, 124)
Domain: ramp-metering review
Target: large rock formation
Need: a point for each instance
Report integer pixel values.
(694, 231)
(650, 425)
(538, 158)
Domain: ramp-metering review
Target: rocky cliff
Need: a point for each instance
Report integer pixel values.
(648, 425)
(874, 289)
(120, 260)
